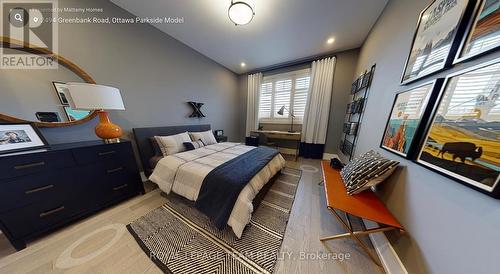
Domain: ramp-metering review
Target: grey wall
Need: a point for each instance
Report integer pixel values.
(342, 80)
(451, 228)
(155, 73)
(341, 93)
(25, 92)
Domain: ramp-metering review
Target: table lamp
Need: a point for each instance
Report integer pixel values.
(98, 98)
(282, 111)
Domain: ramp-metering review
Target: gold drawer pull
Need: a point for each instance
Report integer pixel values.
(30, 165)
(52, 211)
(106, 153)
(39, 189)
(120, 187)
(114, 170)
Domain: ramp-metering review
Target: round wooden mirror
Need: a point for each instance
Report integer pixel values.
(72, 117)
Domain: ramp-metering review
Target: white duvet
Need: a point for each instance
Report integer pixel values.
(183, 173)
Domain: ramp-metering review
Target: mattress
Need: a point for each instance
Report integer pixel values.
(183, 173)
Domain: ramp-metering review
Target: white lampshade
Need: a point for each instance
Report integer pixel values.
(94, 97)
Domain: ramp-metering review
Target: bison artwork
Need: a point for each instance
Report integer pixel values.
(461, 150)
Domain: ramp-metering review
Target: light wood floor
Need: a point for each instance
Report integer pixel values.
(308, 222)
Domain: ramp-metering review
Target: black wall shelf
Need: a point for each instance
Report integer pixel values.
(354, 112)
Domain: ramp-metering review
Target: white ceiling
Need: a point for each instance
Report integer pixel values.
(281, 31)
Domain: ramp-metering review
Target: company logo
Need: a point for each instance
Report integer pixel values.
(28, 24)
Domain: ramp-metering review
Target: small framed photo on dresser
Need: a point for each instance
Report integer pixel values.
(16, 137)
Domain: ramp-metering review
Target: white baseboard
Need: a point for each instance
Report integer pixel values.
(388, 256)
(329, 156)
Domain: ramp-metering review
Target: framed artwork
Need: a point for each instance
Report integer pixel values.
(435, 40)
(15, 137)
(483, 33)
(462, 140)
(219, 132)
(62, 92)
(75, 115)
(410, 107)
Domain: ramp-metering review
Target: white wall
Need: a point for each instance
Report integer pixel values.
(451, 228)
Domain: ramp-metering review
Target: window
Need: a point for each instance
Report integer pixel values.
(287, 89)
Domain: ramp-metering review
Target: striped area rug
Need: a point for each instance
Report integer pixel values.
(180, 239)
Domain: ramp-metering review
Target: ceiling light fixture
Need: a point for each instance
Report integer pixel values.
(330, 40)
(243, 64)
(240, 13)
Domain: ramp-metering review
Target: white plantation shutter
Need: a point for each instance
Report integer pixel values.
(265, 101)
(282, 93)
(289, 90)
(300, 96)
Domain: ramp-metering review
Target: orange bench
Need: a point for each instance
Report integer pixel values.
(365, 205)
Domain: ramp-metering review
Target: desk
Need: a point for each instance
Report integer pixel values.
(282, 135)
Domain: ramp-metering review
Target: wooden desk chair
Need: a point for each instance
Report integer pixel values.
(365, 205)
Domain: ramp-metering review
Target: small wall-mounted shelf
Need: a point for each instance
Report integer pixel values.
(354, 112)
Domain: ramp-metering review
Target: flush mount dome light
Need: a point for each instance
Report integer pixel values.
(240, 13)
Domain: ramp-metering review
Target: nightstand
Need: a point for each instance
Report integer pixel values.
(221, 139)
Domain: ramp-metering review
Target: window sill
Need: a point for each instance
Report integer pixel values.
(280, 121)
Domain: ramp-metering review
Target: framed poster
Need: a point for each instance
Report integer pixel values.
(462, 140)
(15, 137)
(483, 33)
(403, 126)
(435, 40)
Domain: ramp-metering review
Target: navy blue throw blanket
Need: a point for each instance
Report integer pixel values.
(222, 186)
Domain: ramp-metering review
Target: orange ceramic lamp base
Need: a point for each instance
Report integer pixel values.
(106, 130)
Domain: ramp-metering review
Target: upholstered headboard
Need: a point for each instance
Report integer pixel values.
(145, 147)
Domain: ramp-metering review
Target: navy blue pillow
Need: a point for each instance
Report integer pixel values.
(193, 145)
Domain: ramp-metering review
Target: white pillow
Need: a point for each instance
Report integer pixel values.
(207, 137)
(173, 143)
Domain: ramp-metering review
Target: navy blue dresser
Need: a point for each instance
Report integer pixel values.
(41, 191)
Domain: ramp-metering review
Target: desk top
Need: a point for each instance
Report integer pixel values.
(276, 132)
(365, 204)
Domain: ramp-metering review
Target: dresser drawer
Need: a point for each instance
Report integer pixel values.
(110, 152)
(30, 189)
(25, 164)
(34, 218)
(106, 182)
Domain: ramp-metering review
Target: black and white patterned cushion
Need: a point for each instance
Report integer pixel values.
(366, 171)
(207, 137)
(193, 145)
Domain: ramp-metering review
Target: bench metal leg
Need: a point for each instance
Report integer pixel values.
(354, 235)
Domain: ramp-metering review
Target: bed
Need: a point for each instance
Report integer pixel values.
(207, 175)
